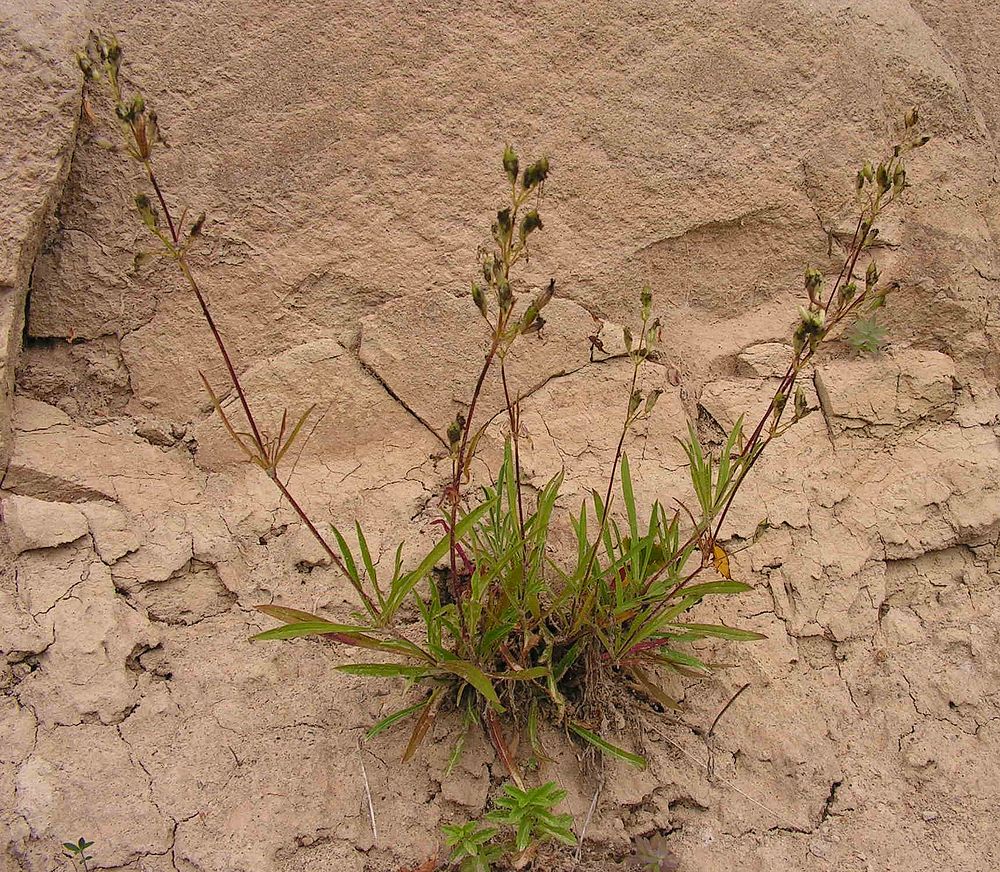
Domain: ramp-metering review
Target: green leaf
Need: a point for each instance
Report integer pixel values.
(293, 435)
(306, 628)
(714, 587)
(523, 674)
(403, 585)
(288, 616)
(679, 657)
(629, 497)
(722, 477)
(352, 569)
(385, 670)
(476, 677)
(366, 557)
(722, 632)
(606, 746)
(393, 719)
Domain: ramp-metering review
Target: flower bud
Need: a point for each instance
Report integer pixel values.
(801, 406)
(634, 402)
(479, 298)
(510, 164)
(871, 276)
(646, 302)
(146, 212)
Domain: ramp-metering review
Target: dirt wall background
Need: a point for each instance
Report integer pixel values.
(347, 156)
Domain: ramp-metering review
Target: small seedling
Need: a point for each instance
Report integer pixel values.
(867, 335)
(525, 820)
(653, 855)
(472, 846)
(77, 852)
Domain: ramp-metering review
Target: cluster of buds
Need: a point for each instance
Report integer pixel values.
(880, 185)
(139, 124)
(650, 335)
(641, 405)
(455, 430)
(511, 231)
(140, 131)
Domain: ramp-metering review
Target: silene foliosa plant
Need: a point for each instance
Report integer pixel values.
(513, 633)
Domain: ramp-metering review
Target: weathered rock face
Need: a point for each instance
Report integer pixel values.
(42, 106)
(348, 160)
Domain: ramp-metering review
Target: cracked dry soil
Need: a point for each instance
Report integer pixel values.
(347, 162)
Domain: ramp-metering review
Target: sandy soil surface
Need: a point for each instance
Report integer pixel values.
(347, 156)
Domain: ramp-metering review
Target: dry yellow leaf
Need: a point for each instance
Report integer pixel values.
(721, 562)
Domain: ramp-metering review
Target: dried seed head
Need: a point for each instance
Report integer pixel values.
(87, 67)
(455, 429)
(536, 173)
(654, 395)
(871, 275)
(197, 226)
(146, 211)
(813, 282)
(911, 118)
(531, 222)
(140, 259)
(545, 297)
(882, 177)
(505, 296)
(780, 399)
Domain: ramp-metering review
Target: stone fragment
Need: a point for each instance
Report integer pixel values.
(56, 459)
(41, 99)
(87, 775)
(765, 359)
(32, 523)
(84, 673)
(882, 393)
(115, 534)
